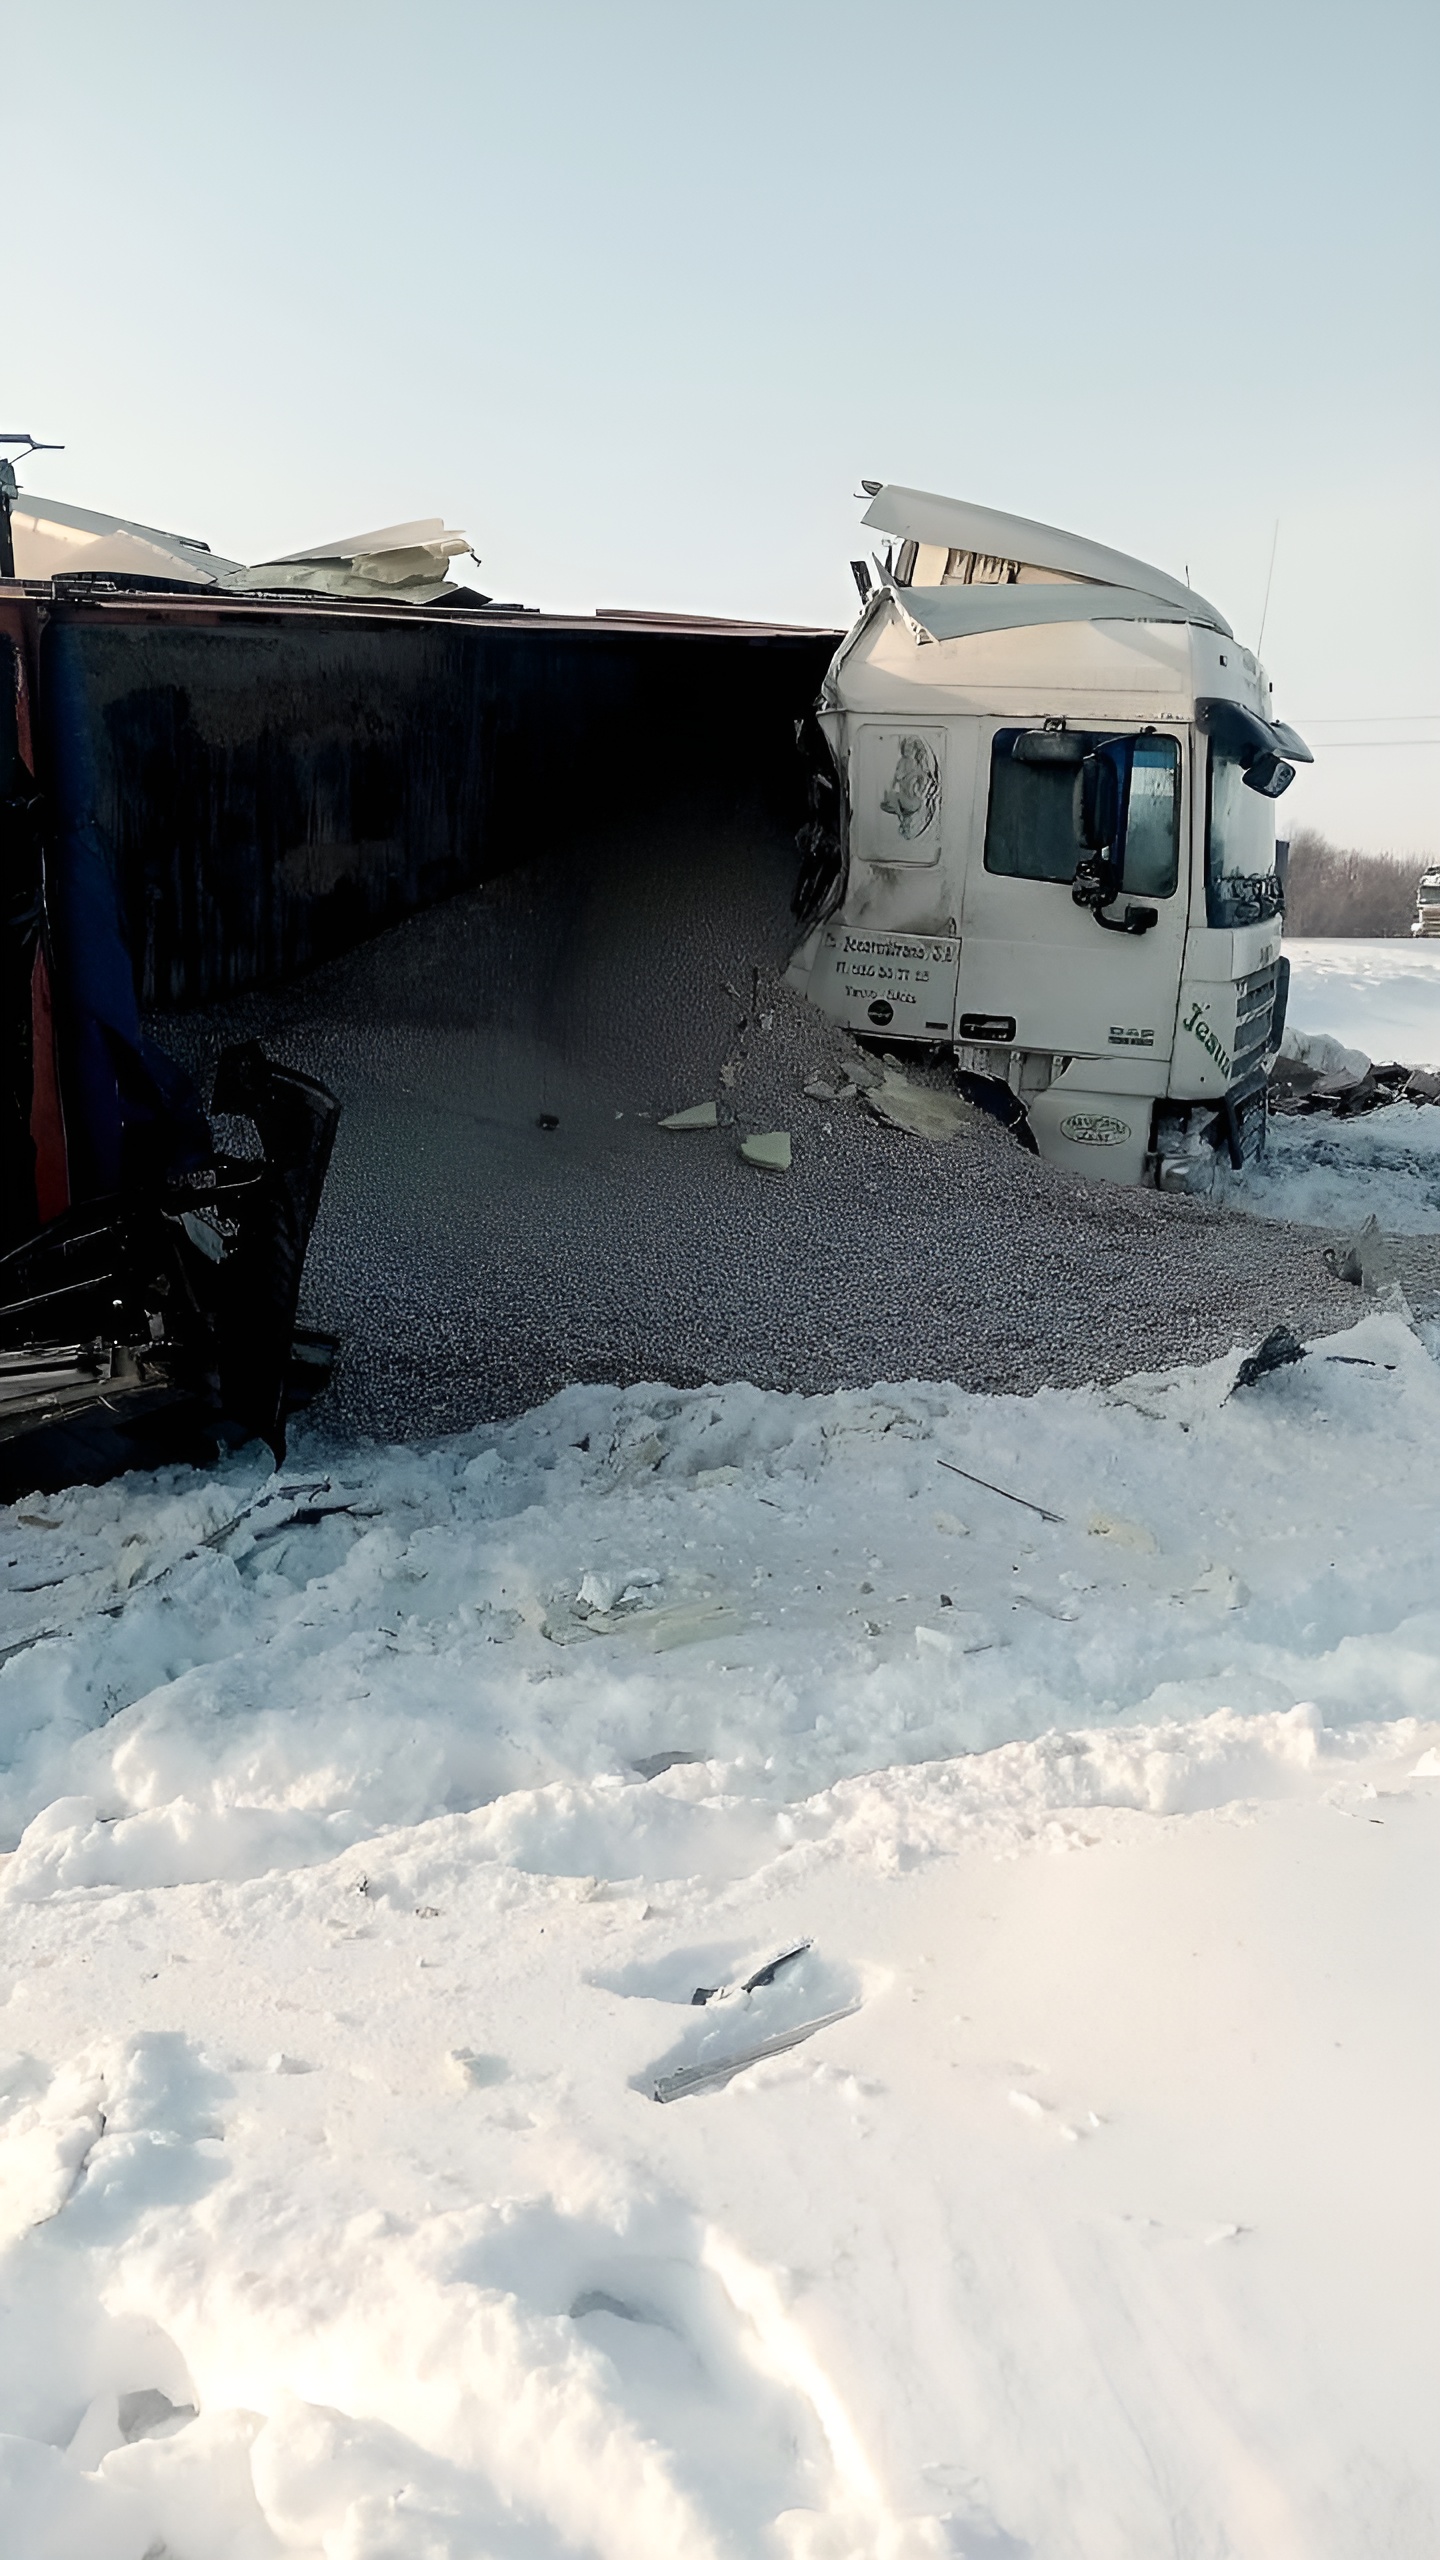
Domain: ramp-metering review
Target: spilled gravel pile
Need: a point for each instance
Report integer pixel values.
(505, 1215)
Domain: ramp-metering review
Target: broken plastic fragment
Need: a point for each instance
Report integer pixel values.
(771, 1148)
(1278, 1351)
(1367, 1261)
(925, 1114)
(699, 1115)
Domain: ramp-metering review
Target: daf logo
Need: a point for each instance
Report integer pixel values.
(1093, 1129)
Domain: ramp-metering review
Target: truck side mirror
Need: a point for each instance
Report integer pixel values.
(1269, 775)
(1097, 801)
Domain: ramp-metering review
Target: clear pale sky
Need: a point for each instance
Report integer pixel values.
(636, 293)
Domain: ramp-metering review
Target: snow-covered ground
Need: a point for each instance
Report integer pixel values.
(374, 1827)
(1323, 1172)
(1379, 996)
(1383, 1000)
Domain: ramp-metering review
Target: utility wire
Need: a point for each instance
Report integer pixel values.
(1269, 577)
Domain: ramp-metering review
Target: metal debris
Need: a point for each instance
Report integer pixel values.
(1038, 1508)
(1279, 1350)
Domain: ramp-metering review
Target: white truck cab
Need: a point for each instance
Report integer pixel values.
(1050, 839)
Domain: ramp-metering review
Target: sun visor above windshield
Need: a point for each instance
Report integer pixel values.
(1243, 734)
(919, 515)
(956, 613)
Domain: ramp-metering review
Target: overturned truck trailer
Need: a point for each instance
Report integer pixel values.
(1051, 844)
(203, 796)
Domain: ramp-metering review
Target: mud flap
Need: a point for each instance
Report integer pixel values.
(1244, 1121)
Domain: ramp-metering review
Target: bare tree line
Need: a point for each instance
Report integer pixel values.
(1331, 889)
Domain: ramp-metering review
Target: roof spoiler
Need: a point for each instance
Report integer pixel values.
(921, 515)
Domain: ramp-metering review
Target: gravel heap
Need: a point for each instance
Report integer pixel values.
(505, 1216)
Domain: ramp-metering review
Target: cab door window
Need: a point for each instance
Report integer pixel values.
(1043, 781)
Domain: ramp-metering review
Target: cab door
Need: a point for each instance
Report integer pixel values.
(1038, 971)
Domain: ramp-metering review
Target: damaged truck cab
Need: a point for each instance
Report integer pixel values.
(1047, 846)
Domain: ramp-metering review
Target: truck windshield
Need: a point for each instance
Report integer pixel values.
(1032, 830)
(1241, 883)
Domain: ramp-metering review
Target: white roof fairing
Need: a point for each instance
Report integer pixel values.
(957, 613)
(921, 515)
(53, 539)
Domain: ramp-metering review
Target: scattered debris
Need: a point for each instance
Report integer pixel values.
(775, 2007)
(660, 1629)
(1279, 1350)
(654, 1764)
(983, 1481)
(713, 2075)
(769, 1148)
(268, 1493)
(759, 1980)
(1317, 1074)
(1367, 1261)
(698, 1115)
(918, 1108)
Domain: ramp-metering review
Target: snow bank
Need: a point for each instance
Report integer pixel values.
(1381, 997)
(373, 1827)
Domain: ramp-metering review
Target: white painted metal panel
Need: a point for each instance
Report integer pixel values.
(897, 983)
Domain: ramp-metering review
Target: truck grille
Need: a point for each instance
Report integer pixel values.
(1254, 1013)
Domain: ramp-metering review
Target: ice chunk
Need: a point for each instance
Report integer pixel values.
(770, 1148)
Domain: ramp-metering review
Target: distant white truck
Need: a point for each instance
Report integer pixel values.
(1049, 849)
(1427, 904)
